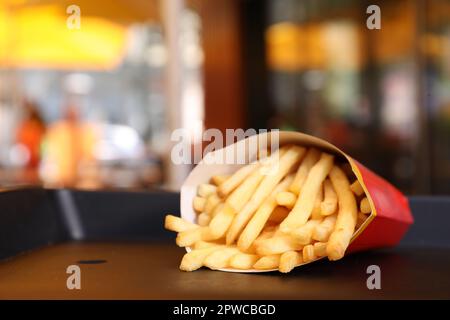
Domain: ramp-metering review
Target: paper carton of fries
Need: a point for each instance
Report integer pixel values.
(295, 199)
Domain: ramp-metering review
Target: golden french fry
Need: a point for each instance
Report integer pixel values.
(278, 214)
(346, 218)
(236, 179)
(217, 209)
(308, 253)
(259, 219)
(243, 261)
(205, 190)
(316, 213)
(193, 260)
(320, 249)
(289, 260)
(356, 188)
(203, 219)
(278, 244)
(323, 230)
(240, 196)
(218, 180)
(191, 236)
(219, 259)
(365, 206)
(206, 244)
(303, 234)
(286, 199)
(265, 234)
(199, 204)
(177, 224)
(268, 262)
(211, 203)
(221, 221)
(280, 169)
(311, 157)
(269, 164)
(305, 202)
(329, 203)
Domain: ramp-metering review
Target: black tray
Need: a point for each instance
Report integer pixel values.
(118, 240)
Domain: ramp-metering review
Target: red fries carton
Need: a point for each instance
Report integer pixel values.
(390, 217)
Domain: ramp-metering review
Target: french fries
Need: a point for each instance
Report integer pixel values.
(267, 262)
(278, 214)
(278, 244)
(219, 259)
(222, 221)
(177, 224)
(203, 219)
(316, 213)
(305, 203)
(194, 260)
(236, 179)
(292, 207)
(365, 206)
(205, 190)
(218, 180)
(346, 219)
(329, 203)
(289, 260)
(211, 203)
(259, 219)
(322, 231)
(320, 249)
(357, 188)
(190, 236)
(199, 204)
(286, 199)
(311, 157)
(243, 261)
(308, 253)
(281, 169)
(304, 233)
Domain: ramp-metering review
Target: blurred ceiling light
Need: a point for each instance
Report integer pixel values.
(341, 45)
(34, 34)
(285, 47)
(399, 39)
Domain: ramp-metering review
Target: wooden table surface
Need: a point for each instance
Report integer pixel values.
(150, 271)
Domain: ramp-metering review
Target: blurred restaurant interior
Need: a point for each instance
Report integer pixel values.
(90, 100)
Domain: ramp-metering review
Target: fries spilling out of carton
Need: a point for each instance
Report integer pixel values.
(303, 202)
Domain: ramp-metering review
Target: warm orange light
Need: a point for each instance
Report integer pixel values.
(39, 37)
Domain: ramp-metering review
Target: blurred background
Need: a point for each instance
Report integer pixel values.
(90, 91)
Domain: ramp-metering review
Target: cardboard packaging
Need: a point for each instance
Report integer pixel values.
(385, 227)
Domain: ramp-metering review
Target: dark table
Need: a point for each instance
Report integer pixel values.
(118, 241)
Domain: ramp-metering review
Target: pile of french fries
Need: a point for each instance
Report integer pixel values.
(292, 207)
